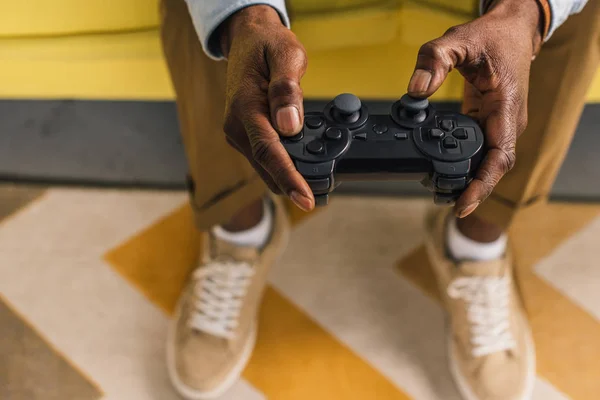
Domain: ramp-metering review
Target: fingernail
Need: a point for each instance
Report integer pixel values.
(301, 201)
(419, 83)
(468, 209)
(288, 119)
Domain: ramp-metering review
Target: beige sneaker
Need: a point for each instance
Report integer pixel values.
(213, 332)
(491, 352)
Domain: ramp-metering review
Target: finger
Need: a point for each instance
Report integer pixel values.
(496, 164)
(270, 154)
(237, 138)
(287, 65)
(471, 103)
(501, 136)
(247, 152)
(435, 60)
(232, 143)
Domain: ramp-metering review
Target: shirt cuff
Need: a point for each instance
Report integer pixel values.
(207, 15)
(555, 12)
(561, 10)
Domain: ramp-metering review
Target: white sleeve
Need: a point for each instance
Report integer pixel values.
(560, 9)
(207, 15)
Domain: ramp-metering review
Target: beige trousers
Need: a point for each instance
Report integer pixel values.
(222, 181)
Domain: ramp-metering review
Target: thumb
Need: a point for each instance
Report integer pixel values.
(287, 65)
(434, 61)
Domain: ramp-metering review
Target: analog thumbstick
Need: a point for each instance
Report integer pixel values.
(413, 109)
(346, 108)
(414, 104)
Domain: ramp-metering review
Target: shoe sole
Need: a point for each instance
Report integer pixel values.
(236, 372)
(464, 388)
(228, 382)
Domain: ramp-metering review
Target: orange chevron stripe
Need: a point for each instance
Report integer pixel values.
(295, 359)
(158, 260)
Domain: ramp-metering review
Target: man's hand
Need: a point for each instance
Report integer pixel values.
(264, 99)
(494, 54)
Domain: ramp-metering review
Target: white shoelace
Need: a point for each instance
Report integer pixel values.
(488, 301)
(220, 289)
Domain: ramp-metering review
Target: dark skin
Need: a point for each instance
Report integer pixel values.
(266, 63)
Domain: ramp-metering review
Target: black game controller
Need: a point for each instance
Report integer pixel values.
(414, 142)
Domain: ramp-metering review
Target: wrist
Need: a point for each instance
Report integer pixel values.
(534, 17)
(247, 18)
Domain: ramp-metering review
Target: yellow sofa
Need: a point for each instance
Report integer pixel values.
(110, 49)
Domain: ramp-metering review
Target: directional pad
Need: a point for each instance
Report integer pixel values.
(447, 125)
(450, 143)
(436, 133)
(460, 133)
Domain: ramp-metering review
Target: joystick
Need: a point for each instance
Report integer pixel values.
(346, 108)
(442, 150)
(413, 109)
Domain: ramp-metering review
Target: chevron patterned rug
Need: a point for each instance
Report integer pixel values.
(89, 279)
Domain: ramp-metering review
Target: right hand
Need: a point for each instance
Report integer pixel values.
(263, 97)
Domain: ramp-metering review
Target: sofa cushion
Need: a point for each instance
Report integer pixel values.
(65, 17)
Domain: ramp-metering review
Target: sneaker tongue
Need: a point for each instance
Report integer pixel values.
(495, 268)
(221, 248)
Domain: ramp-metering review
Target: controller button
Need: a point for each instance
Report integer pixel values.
(451, 183)
(314, 122)
(447, 125)
(315, 170)
(450, 143)
(460, 133)
(347, 103)
(444, 199)
(380, 128)
(360, 136)
(333, 134)
(319, 185)
(414, 104)
(346, 108)
(436, 133)
(401, 135)
(460, 168)
(297, 137)
(315, 147)
(321, 200)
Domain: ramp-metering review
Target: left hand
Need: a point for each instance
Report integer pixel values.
(494, 54)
